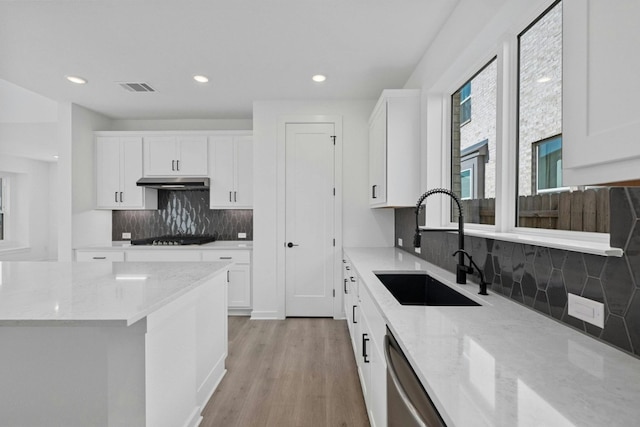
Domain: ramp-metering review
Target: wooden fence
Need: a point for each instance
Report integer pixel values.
(576, 211)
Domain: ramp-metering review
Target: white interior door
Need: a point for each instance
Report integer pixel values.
(309, 219)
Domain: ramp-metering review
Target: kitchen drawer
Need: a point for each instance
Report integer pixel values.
(240, 257)
(84, 256)
(164, 255)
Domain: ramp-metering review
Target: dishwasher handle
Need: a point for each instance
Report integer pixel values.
(391, 370)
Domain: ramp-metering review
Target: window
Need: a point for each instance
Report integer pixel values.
(466, 184)
(473, 146)
(539, 153)
(465, 103)
(548, 164)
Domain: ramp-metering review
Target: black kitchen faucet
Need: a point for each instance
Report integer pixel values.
(461, 268)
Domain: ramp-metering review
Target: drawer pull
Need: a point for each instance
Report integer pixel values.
(99, 257)
(226, 257)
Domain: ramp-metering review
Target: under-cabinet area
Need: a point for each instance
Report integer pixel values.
(238, 254)
(492, 364)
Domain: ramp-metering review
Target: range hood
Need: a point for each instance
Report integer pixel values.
(175, 183)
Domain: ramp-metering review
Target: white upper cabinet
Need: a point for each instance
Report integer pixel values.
(175, 156)
(118, 167)
(601, 89)
(394, 149)
(231, 163)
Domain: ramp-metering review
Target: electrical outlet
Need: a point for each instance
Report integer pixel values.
(126, 236)
(418, 251)
(587, 310)
(242, 235)
(399, 242)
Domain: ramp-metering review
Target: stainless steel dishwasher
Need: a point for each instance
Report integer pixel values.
(408, 404)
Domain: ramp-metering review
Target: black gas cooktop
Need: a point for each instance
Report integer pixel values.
(181, 239)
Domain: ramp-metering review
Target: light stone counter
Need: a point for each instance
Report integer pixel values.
(94, 294)
(502, 364)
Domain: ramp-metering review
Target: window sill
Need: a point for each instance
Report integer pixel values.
(566, 243)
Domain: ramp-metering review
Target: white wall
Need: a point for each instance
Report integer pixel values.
(90, 226)
(30, 207)
(183, 124)
(79, 224)
(361, 226)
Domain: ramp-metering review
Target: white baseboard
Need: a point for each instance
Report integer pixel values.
(265, 315)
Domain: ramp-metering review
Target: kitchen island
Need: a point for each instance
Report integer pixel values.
(110, 344)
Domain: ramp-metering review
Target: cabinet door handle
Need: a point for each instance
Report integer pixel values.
(121, 197)
(365, 340)
(345, 286)
(235, 196)
(373, 191)
(99, 257)
(173, 165)
(227, 276)
(347, 268)
(177, 165)
(115, 195)
(353, 313)
(230, 196)
(226, 257)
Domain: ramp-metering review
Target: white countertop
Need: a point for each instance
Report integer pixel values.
(93, 294)
(503, 364)
(221, 244)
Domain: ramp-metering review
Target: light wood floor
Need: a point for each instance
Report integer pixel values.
(297, 372)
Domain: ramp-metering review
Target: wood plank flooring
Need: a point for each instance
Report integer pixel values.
(297, 372)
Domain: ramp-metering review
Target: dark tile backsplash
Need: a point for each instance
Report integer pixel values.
(183, 212)
(541, 277)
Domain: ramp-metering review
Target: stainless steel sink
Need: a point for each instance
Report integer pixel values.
(422, 289)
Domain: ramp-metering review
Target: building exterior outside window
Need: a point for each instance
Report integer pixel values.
(465, 103)
(473, 145)
(540, 102)
(548, 161)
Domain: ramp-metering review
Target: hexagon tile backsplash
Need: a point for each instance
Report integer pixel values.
(540, 277)
(183, 212)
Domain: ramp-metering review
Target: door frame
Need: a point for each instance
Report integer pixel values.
(283, 121)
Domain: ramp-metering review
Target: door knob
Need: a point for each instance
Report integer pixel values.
(290, 245)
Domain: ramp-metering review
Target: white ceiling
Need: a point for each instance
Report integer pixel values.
(250, 49)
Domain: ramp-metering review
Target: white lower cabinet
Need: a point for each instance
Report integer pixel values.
(367, 329)
(93, 256)
(163, 255)
(239, 294)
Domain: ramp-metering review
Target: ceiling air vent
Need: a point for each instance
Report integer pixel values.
(137, 87)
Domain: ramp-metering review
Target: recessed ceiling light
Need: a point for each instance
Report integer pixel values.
(76, 80)
(201, 79)
(544, 79)
(319, 78)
